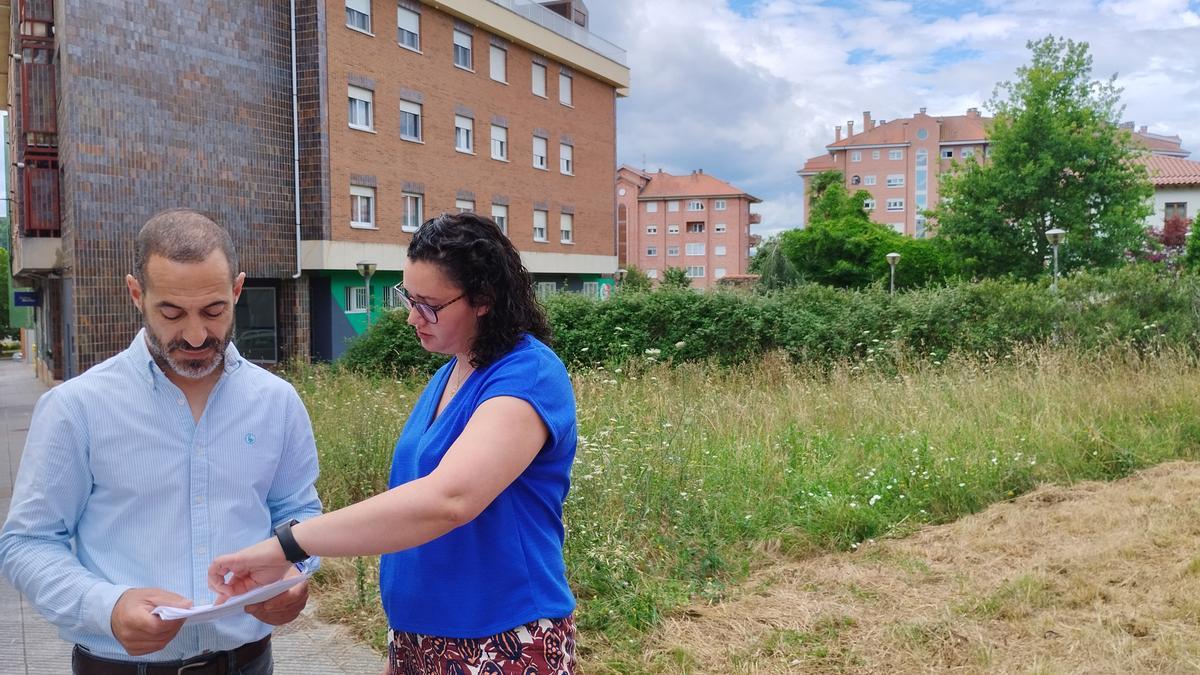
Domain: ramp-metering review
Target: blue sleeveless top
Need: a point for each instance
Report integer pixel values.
(505, 567)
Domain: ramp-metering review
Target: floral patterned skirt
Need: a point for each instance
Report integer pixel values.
(542, 647)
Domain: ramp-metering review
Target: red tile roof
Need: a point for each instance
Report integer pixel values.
(698, 184)
(817, 164)
(1166, 170)
(955, 129)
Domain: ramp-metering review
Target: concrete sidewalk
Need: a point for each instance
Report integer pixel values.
(29, 645)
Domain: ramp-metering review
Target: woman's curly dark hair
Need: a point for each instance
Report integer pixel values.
(479, 258)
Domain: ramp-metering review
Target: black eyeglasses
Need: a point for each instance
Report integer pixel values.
(427, 312)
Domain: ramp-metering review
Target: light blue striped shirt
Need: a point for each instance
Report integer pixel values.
(115, 464)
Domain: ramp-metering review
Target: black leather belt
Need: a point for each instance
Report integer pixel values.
(213, 663)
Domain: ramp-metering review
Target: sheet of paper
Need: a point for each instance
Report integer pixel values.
(233, 605)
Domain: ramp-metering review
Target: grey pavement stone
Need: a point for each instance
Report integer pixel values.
(29, 645)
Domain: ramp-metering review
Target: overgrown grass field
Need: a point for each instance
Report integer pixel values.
(687, 474)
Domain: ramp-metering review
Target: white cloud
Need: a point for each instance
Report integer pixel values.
(749, 95)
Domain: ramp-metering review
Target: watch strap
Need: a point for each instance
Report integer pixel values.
(287, 541)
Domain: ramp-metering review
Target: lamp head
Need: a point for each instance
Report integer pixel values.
(620, 274)
(1055, 236)
(893, 258)
(366, 269)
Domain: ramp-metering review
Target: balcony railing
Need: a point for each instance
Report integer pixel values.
(564, 27)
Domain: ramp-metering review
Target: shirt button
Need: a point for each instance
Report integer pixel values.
(201, 551)
(199, 500)
(179, 401)
(199, 451)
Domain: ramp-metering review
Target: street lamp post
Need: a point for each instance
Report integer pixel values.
(367, 270)
(1055, 237)
(892, 259)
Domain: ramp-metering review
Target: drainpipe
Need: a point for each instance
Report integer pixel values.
(295, 140)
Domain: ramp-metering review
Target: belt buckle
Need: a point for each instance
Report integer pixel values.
(183, 670)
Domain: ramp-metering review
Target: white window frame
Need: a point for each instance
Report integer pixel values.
(414, 110)
(719, 250)
(695, 228)
(718, 272)
(463, 45)
(541, 218)
(651, 207)
(895, 180)
(566, 159)
(565, 95)
(947, 153)
(360, 7)
(464, 130)
(651, 229)
(362, 192)
(719, 228)
(966, 153)
(539, 158)
(874, 154)
(869, 179)
(652, 251)
(464, 205)
(566, 228)
(356, 300)
(499, 143)
(895, 205)
(500, 215)
(719, 205)
(360, 95)
(404, 28)
(673, 206)
(896, 154)
(868, 204)
(538, 73)
(652, 273)
(673, 250)
(695, 205)
(413, 215)
(694, 271)
(498, 64)
(898, 227)
(856, 155)
(546, 289)
(672, 229)
(693, 248)
(392, 298)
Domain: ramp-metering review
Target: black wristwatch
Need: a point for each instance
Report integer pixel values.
(287, 541)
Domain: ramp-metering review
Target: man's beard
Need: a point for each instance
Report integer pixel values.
(193, 369)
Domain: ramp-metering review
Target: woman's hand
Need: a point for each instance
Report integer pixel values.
(254, 566)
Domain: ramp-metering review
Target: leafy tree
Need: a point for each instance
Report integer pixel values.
(635, 281)
(774, 269)
(847, 252)
(676, 277)
(1191, 256)
(1058, 159)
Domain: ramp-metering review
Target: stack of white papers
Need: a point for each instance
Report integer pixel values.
(233, 605)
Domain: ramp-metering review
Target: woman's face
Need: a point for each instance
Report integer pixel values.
(457, 322)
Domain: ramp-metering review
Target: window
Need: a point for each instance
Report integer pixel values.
(410, 121)
(392, 298)
(499, 64)
(361, 104)
(539, 225)
(672, 206)
(651, 229)
(868, 204)
(464, 205)
(500, 215)
(356, 299)
(695, 271)
(719, 228)
(358, 15)
(898, 227)
(895, 154)
(694, 249)
(895, 205)
(895, 180)
(591, 289)
(566, 226)
(651, 250)
(947, 153)
(412, 212)
(408, 25)
(539, 153)
(539, 80)
(464, 129)
(546, 288)
(967, 153)
(695, 205)
(672, 229)
(718, 272)
(718, 250)
(874, 154)
(673, 250)
(869, 179)
(718, 205)
(566, 155)
(499, 143)
(652, 273)
(856, 156)
(1173, 209)
(695, 228)
(651, 207)
(362, 207)
(255, 318)
(855, 179)
(564, 89)
(462, 49)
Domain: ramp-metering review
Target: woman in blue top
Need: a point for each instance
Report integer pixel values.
(471, 531)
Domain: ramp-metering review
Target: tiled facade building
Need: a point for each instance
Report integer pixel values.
(403, 110)
(695, 222)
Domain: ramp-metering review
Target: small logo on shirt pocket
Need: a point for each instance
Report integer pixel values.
(250, 439)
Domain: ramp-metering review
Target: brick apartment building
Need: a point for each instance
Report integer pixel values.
(402, 110)
(695, 222)
(900, 163)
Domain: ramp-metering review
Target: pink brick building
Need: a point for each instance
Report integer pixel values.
(695, 222)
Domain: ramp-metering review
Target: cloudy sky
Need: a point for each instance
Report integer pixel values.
(749, 89)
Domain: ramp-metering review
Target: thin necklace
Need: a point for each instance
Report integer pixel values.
(461, 378)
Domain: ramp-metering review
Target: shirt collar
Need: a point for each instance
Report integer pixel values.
(148, 370)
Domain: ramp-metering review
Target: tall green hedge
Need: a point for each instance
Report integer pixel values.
(1135, 305)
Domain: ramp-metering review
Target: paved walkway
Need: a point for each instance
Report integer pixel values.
(29, 645)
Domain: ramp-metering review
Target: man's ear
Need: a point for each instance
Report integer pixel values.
(135, 292)
(237, 286)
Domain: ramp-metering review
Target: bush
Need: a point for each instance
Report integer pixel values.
(390, 347)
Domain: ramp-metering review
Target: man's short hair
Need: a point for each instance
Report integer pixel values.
(181, 235)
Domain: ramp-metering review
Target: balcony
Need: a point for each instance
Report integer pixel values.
(564, 27)
(755, 218)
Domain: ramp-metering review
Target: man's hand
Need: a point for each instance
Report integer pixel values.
(284, 607)
(139, 631)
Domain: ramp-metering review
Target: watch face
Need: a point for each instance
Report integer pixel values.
(621, 192)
